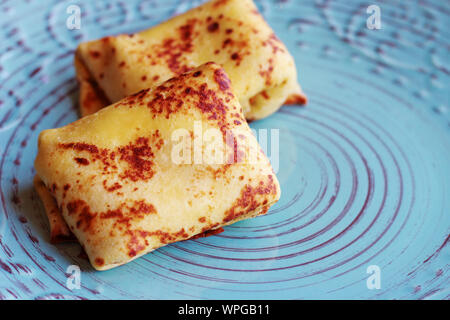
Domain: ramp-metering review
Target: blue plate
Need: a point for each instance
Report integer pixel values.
(364, 168)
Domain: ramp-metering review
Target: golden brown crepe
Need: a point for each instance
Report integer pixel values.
(125, 186)
(59, 231)
(231, 33)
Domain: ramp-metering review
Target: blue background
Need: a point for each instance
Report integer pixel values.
(364, 167)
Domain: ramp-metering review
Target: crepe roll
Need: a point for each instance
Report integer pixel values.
(231, 33)
(163, 165)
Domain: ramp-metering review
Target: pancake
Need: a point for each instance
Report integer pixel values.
(160, 166)
(231, 33)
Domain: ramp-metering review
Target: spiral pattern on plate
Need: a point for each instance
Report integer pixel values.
(364, 167)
